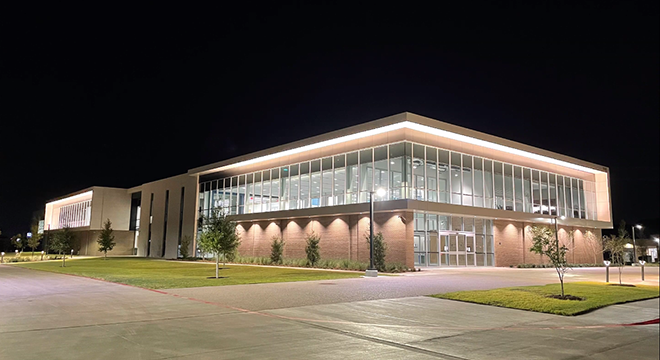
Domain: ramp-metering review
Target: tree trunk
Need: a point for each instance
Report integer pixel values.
(105, 255)
(561, 280)
(217, 264)
(620, 269)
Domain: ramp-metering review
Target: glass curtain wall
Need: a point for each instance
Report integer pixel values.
(406, 171)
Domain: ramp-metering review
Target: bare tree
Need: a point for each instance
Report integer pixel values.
(616, 246)
(594, 245)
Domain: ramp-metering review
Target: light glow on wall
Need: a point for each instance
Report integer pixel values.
(412, 126)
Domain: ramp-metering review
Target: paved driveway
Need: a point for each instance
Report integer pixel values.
(52, 316)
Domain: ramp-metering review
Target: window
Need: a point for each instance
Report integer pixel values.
(508, 186)
(167, 201)
(499, 185)
(443, 176)
(284, 188)
(488, 184)
(303, 202)
(326, 182)
(315, 186)
(295, 186)
(467, 180)
(241, 194)
(517, 185)
(431, 174)
(455, 178)
(527, 191)
(397, 169)
(257, 192)
(536, 192)
(339, 179)
(418, 172)
(265, 191)
(478, 182)
(381, 173)
(275, 190)
(366, 174)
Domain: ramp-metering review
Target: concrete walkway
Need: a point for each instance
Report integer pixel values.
(53, 316)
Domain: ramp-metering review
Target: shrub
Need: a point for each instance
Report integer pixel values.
(185, 247)
(312, 249)
(380, 250)
(276, 249)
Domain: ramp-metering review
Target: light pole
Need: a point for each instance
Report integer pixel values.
(372, 271)
(635, 244)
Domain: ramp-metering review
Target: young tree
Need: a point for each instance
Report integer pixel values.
(380, 250)
(616, 246)
(276, 249)
(61, 242)
(35, 240)
(185, 247)
(219, 236)
(18, 241)
(312, 249)
(545, 242)
(106, 240)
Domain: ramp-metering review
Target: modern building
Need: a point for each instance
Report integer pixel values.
(452, 197)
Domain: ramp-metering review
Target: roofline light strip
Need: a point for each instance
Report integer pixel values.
(412, 126)
(87, 193)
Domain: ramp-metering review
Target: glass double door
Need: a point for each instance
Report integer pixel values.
(445, 249)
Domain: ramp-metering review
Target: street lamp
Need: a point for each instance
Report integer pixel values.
(635, 244)
(372, 271)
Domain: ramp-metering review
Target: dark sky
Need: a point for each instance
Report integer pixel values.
(122, 96)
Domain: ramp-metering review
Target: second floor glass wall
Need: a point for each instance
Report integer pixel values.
(406, 171)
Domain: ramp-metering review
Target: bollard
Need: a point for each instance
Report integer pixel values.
(42, 255)
(607, 271)
(642, 262)
(72, 253)
(2, 258)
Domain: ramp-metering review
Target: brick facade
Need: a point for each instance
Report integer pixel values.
(512, 244)
(342, 236)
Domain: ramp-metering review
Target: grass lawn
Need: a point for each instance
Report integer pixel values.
(157, 274)
(534, 298)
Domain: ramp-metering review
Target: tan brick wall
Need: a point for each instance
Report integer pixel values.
(342, 237)
(87, 245)
(512, 244)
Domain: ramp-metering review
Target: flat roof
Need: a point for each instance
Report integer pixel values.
(405, 120)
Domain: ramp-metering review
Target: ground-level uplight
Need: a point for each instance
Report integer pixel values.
(607, 270)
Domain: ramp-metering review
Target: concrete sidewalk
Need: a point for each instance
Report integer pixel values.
(53, 316)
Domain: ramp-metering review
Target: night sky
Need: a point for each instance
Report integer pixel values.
(122, 96)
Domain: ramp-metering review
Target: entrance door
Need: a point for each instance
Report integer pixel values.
(420, 249)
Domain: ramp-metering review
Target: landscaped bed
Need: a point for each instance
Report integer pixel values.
(158, 274)
(538, 298)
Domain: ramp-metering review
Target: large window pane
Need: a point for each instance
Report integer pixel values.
(467, 180)
(257, 194)
(456, 178)
(560, 195)
(553, 194)
(249, 207)
(418, 172)
(241, 194)
(366, 174)
(517, 185)
(443, 176)
(295, 186)
(431, 174)
(326, 182)
(315, 192)
(478, 182)
(284, 188)
(352, 178)
(304, 186)
(275, 190)
(397, 168)
(408, 170)
(576, 198)
(499, 185)
(234, 195)
(340, 179)
(536, 191)
(381, 174)
(527, 190)
(545, 198)
(488, 184)
(265, 191)
(508, 186)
